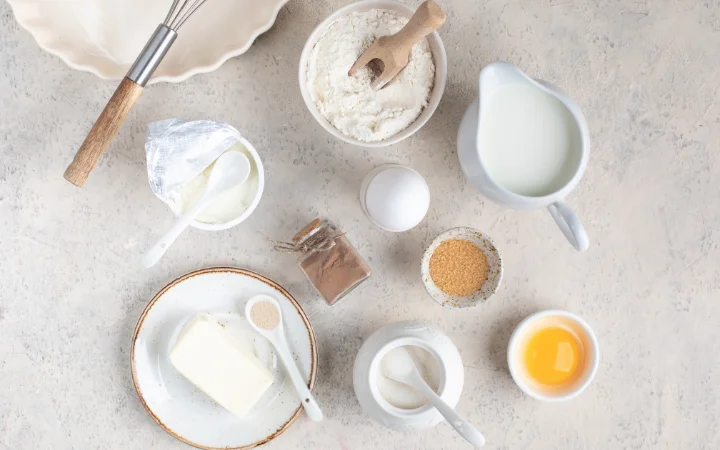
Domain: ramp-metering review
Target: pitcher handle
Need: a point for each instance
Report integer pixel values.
(570, 225)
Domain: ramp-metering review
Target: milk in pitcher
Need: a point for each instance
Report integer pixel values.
(528, 140)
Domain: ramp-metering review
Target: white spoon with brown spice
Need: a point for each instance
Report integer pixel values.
(263, 314)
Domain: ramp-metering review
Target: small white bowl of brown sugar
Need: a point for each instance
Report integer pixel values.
(462, 268)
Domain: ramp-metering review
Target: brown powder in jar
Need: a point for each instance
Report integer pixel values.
(335, 271)
(265, 315)
(458, 267)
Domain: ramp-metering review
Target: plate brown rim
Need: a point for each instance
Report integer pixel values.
(261, 278)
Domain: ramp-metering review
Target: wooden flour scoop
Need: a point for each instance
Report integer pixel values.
(391, 53)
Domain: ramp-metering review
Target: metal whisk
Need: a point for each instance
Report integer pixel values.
(180, 11)
(129, 90)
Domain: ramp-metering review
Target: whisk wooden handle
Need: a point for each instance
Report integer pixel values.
(103, 131)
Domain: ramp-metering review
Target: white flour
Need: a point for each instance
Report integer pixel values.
(348, 102)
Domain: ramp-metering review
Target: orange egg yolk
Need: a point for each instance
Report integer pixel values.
(553, 356)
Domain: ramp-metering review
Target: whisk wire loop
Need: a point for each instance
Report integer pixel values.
(180, 11)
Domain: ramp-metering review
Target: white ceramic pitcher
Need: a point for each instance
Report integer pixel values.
(492, 77)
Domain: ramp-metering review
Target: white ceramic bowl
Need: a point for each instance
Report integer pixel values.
(439, 58)
(367, 368)
(245, 214)
(495, 269)
(179, 407)
(104, 37)
(544, 319)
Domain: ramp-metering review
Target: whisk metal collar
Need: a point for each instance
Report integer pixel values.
(149, 59)
(165, 34)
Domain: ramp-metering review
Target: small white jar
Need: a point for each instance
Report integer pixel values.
(367, 368)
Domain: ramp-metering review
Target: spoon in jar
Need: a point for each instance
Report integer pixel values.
(263, 314)
(231, 169)
(402, 369)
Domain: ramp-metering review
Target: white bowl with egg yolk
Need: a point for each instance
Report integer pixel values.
(542, 320)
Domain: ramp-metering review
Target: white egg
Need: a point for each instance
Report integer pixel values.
(394, 197)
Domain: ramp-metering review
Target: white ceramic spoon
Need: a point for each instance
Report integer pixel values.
(402, 369)
(276, 336)
(231, 169)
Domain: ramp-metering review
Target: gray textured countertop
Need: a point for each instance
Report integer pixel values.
(646, 75)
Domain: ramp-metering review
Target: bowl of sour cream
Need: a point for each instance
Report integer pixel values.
(398, 406)
(346, 106)
(229, 208)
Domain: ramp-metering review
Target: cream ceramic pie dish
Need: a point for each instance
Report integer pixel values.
(105, 36)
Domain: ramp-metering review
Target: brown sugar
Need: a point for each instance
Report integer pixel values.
(458, 267)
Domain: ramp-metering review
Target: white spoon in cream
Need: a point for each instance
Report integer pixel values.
(402, 369)
(231, 169)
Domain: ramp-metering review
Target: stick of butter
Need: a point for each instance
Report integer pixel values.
(219, 365)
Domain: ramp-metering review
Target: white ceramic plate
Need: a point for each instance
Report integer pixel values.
(105, 36)
(495, 269)
(184, 411)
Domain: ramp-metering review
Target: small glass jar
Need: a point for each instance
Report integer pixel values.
(329, 261)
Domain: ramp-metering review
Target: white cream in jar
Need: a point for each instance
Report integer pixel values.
(401, 395)
(226, 206)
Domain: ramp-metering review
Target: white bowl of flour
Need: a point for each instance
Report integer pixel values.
(346, 106)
